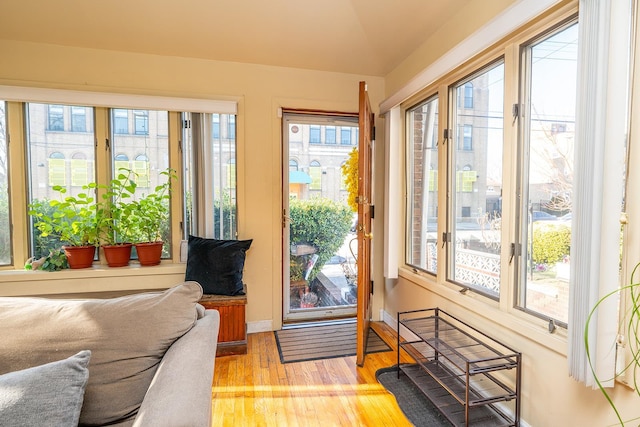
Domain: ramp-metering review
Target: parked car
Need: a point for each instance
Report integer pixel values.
(543, 216)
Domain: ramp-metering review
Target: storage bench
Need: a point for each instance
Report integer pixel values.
(232, 338)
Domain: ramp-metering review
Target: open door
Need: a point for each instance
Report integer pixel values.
(366, 124)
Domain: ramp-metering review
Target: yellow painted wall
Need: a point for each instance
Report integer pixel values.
(550, 397)
(463, 24)
(261, 91)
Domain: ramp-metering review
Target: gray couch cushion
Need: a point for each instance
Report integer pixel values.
(49, 394)
(127, 336)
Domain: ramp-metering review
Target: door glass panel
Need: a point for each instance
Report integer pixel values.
(320, 240)
(476, 181)
(548, 186)
(422, 139)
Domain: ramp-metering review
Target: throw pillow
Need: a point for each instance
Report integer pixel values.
(128, 337)
(217, 264)
(49, 394)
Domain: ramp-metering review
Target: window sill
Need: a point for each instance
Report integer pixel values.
(98, 278)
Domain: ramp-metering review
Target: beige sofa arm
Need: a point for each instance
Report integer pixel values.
(180, 393)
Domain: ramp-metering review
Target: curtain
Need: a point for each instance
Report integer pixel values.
(601, 125)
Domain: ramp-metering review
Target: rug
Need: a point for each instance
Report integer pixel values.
(323, 342)
(414, 404)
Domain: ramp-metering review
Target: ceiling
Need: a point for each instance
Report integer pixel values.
(368, 37)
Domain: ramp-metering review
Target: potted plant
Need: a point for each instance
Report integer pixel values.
(115, 218)
(73, 220)
(150, 213)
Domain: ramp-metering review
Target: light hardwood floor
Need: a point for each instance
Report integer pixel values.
(257, 390)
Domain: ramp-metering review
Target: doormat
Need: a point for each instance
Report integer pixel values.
(414, 404)
(323, 342)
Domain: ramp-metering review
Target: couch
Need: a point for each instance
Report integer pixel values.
(138, 360)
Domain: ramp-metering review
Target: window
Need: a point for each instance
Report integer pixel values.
(120, 121)
(345, 136)
(466, 138)
(78, 119)
(215, 126)
(56, 118)
(231, 127)
(315, 172)
(120, 161)
(52, 160)
(142, 172)
(422, 221)
(141, 122)
(79, 170)
(474, 248)
(330, 134)
(550, 90)
(293, 165)
(5, 234)
(210, 175)
(465, 96)
(314, 134)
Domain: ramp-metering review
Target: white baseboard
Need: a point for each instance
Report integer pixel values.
(259, 326)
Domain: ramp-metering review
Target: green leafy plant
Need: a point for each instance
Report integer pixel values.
(116, 217)
(72, 219)
(56, 260)
(632, 326)
(151, 212)
(321, 223)
(551, 243)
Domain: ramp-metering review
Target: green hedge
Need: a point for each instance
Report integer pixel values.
(321, 223)
(551, 242)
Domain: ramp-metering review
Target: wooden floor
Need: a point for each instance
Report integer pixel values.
(257, 390)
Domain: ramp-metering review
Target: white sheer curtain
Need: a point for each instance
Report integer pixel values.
(601, 125)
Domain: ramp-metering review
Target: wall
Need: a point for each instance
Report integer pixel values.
(261, 90)
(550, 397)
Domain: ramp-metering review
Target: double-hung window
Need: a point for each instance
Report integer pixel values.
(5, 229)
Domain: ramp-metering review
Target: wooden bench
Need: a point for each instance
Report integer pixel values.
(232, 338)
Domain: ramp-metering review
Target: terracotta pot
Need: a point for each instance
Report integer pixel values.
(80, 256)
(118, 255)
(149, 253)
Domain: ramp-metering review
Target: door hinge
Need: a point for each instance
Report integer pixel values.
(372, 211)
(186, 124)
(106, 144)
(446, 134)
(373, 133)
(371, 287)
(515, 111)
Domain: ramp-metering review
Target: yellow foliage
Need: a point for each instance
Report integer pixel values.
(350, 173)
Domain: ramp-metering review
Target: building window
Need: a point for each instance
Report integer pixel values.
(57, 169)
(474, 258)
(315, 172)
(314, 134)
(142, 172)
(330, 134)
(466, 138)
(79, 170)
(120, 161)
(56, 118)
(422, 211)
(465, 96)
(215, 126)
(120, 121)
(141, 122)
(78, 119)
(293, 165)
(547, 184)
(231, 127)
(345, 136)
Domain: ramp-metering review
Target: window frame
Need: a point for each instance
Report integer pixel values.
(507, 48)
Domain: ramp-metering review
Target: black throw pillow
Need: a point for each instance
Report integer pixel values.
(217, 264)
